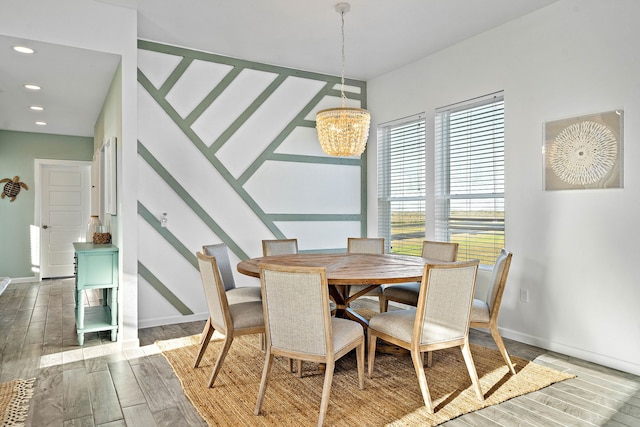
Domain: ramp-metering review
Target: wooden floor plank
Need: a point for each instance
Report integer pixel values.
(156, 394)
(171, 417)
(503, 418)
(104, 399)
(530, 417)
(126, 384)
(75, 392)
(592, 412)
(475, 419)
(139, 415)
(79, 422)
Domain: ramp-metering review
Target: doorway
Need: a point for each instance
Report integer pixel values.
(62, 210)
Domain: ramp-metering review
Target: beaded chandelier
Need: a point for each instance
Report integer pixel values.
(343, 131)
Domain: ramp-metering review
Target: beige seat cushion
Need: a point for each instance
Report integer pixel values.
(405, 292)
(244, 294)
(247, 314)
(397, 323)
(480, 311)
(345, 332)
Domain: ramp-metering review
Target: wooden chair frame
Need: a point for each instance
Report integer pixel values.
(328, 359)
(226, 327)
(417, 350)
(494, 311)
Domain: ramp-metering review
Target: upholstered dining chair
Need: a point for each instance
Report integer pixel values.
(407, 293)
(282, 247)
(231, 320)
(234, 295)
(299, 325)
(440, 320)
(484, 313)
(279, 247)
(365, 245)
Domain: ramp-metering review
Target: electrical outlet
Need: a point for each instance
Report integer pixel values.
(524, 295)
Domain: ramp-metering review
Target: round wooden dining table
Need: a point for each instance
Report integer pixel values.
(344, 270)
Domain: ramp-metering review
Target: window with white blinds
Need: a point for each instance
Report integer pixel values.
(469, 177)
(401, 184)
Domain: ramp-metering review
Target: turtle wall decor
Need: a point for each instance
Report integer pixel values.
(12, 187)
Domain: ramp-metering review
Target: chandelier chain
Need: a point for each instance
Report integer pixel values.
(342, 96)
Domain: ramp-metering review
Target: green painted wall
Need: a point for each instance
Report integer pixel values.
(17, 153)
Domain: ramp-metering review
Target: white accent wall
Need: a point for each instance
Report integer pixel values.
(228, 149)
(576, 251)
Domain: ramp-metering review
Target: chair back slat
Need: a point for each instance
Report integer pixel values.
(221, 254)
(214, 291)
(296, 306)
(279, 247)
(445, 301)
(365, 245)
(439, 251)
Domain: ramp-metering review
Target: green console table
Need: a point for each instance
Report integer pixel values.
(96, 267)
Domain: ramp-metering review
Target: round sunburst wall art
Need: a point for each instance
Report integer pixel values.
(583, 153)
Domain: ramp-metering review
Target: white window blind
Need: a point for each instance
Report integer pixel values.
(401, 184)
(470, 177)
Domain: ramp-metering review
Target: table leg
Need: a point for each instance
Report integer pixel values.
(338, 299)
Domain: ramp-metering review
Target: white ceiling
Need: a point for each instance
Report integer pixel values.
(380, 35)
(74, 83)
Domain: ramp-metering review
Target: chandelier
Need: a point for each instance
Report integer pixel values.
(343, 131)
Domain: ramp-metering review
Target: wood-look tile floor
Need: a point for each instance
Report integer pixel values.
(101, 385)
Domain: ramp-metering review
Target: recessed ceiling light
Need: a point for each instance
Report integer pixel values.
(41, 123)
(23, 49)
(32, 87)
(36, 108)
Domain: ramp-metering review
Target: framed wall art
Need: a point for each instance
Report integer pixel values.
(584, 152)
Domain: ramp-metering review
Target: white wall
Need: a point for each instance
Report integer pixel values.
(575, 251)
(100, 27)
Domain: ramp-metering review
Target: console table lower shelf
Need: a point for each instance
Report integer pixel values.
(95, 319)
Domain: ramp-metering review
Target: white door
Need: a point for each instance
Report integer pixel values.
(65, 197)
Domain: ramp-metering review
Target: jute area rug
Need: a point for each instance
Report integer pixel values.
(391, 397)
(14, 401)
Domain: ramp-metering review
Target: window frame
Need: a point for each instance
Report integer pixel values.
(481, 231)
(406, 149)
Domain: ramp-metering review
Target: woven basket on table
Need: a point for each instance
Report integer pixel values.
(101, 238)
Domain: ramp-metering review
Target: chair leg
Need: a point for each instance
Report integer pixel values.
(471, 367)
(384, 304)
(503, 350)
(206, 327)
(326, 391)
(268, 361)
(416, 356)
(360, 362)
(372, 353)
(428, 356)
(207, 333)
(290, 365)
(228, 339)
(299, 368)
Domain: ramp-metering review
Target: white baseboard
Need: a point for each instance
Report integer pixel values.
(169, 320)
(600, 359)
(130, 344)
(25, 279)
